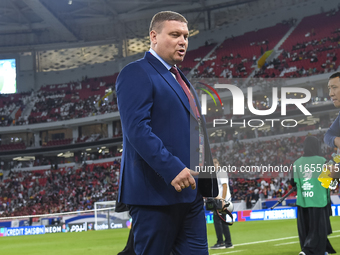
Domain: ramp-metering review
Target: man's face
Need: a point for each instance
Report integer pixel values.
(171, 41)
(216, 163)
(334, 91)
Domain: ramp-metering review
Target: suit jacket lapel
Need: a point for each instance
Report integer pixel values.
(166, 74)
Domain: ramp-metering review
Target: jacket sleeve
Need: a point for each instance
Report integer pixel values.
(332, 133)
(134, 90)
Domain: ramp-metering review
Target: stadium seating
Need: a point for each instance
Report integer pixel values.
(192, 57)
(312, 48)
(52, 191)
(73, 100)
(236, 54)
(76, 99)
(12, 146)
(8, 103)
(318, 34)
(58, 142)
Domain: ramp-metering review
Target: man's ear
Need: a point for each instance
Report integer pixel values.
(153, 37)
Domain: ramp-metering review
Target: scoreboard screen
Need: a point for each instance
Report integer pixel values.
(8, 73)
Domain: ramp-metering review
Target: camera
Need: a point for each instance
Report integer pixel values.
(213, 204)
(216, 205)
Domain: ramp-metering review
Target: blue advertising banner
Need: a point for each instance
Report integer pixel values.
(266, 214)
(22, 231)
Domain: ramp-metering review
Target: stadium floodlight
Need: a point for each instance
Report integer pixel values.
(24, 158)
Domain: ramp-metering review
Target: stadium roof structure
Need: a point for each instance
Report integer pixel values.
(66, 34)
(43, 24)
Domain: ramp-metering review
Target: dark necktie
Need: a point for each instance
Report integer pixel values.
(186, 90)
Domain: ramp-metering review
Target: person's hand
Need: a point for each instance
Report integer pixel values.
(337, 142)
(334, 171)
(223, 201)
(184, 179)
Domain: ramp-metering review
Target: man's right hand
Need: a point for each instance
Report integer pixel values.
(337, 142)
(334, 171)
(184, 179)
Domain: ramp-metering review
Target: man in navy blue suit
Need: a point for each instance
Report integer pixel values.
(332, 136)
(164, 138)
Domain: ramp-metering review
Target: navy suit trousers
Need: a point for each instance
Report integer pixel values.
(179, 228)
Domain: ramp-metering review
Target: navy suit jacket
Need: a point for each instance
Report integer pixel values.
(160, 136)
(332, 132)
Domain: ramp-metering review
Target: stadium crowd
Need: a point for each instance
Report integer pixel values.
(253, 185)
(71, 189)
(59, 102)
(287, 64)
(311, 49)
(8, 104)
(56, 106)
(62, 190)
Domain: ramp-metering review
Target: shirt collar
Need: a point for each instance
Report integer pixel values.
(160, 59)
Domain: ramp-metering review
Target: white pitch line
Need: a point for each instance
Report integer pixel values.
(228, 252)
(279, 244)
(334, 236)
(265, 241)
(277, 239)
(285, 243)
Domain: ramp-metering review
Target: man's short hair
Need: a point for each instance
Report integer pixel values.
(334, 75)
(160, 17)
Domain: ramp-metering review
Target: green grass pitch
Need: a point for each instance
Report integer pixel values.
(255, 238)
